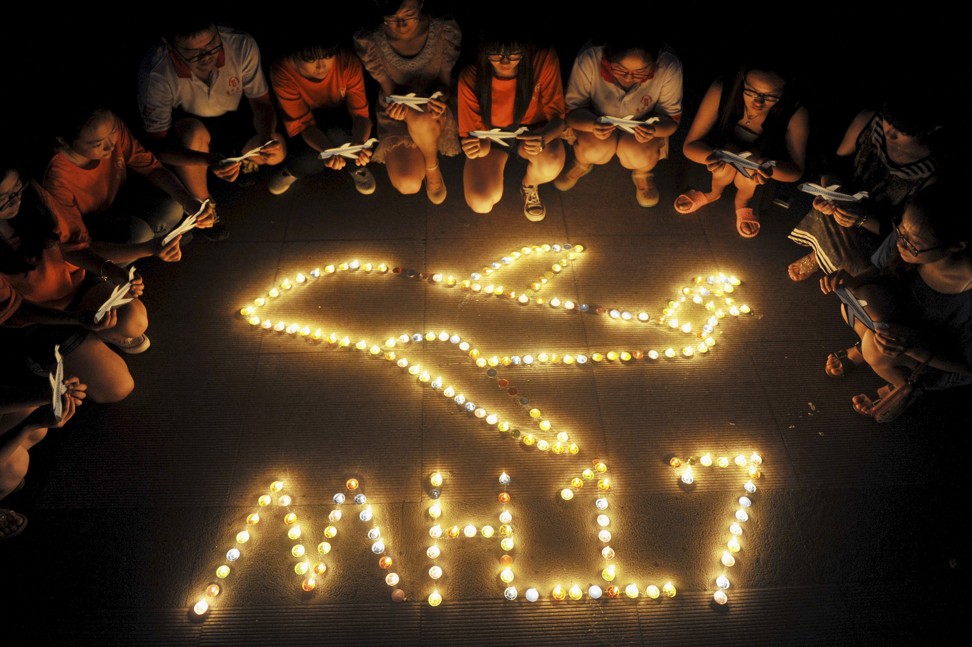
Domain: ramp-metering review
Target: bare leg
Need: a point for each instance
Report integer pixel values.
(105, 373)
(406, 169)
(546, 165)
(191, 134)
(482, 180)
(588, 149)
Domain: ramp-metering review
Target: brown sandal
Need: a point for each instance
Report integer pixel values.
(11, 523)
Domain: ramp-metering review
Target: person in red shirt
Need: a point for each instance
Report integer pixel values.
(512, 85)
(321, 93)
(60, 283)
(109, 184)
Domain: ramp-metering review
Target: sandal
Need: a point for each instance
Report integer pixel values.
(865, 406)
(804, 268)
(695, 198)
(843, 360)
(436, 191)
(11, 523)
(744, 216)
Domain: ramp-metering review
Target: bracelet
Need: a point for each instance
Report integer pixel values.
(860, 221)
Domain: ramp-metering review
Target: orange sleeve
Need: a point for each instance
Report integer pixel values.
(10, 299)
(137, 158)
(355, 98)
(64, 199)
(297, 115)
(551, 86)
(470, 116)
(72, 233)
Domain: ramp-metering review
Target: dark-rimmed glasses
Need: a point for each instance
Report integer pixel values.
(761, 97)
(201, 56)
(14, 195)
(910, 246)
(510, 57)
(643, 74)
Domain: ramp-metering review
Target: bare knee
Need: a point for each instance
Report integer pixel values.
(480, 203)
(192, 134)
(115, 389)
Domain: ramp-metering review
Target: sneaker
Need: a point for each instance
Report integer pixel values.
(364, 181)
(533, 207)
(645, 189)
(280, 182)
(566, 180)
(215, 233)
(134, 345)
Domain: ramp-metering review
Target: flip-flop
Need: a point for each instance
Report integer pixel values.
(745, 215)
(847, 365)
(11, 523)
(695, 197)
(865, 406)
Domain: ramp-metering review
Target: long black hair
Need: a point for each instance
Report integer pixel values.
(34, 224)
(501, 41)
(777, 117)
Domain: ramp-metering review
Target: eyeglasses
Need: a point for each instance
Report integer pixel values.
(511, 57)
(397, 21)
(320, 56)
(761, 97)
(201, 56)
(643, 74)
(910, 246)
(13, 196)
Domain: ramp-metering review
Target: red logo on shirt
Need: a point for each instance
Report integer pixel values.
(647, 101)
(233, 85)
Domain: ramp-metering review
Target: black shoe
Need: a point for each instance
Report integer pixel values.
(215, 233)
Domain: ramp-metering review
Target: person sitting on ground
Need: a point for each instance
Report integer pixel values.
(59, 285)
(891, 153)
(412, 52)
(102, 176)
(627, 77)
(24, 420)
(513, 85)
(757, 112)
(320, 88)
(920, 289)
(190, 95)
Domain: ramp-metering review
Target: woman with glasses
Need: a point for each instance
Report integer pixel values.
(629, 78)
(758, 112)
(512, 86)
(412, 52)
(110, 185)
(53, 284)
(920, 288)
(891, 154)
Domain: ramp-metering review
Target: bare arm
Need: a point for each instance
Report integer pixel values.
(705, 120)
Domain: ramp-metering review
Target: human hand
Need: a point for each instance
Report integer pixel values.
(713, 164)
(644, 133)
(471, 146)
(169, 253)
(268, 150)
(397, 111)
(364, 156)
(602, 131)
(205, 219)
(531, 144)
(846, 215)
(227, 171)
(76, 390)
(762, 175)
(831, 282)
(335, 162)
(138, 285)
(436, 107)
(87, 320)
(824, 206)
(893, 340)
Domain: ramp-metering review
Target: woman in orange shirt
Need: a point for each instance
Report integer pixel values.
(56, 278)
(513, 85)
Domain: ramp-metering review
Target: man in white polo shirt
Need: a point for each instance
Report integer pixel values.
(628, 77)
(190, 95)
